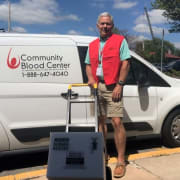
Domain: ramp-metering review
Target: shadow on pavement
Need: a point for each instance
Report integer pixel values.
(14, 162)
(134, 145)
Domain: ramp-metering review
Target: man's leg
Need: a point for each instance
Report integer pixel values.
(119, 138)
(120, 142)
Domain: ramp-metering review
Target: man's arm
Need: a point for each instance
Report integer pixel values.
(124, 56)
(124, 70)
(91, 80)
(117, 92)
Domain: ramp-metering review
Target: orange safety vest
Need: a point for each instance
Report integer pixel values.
(111, 61)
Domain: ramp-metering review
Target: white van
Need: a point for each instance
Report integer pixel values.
(36, 69)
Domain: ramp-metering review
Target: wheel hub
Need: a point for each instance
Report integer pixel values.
(175, 129)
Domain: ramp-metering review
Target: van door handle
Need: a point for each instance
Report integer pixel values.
(73, 95)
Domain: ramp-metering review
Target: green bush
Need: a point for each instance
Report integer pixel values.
(173, 73)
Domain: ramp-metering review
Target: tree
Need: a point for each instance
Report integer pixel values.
(152, 50)
(171, 12)
(125, 33)
(177, 51)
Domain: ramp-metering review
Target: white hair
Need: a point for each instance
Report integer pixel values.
(105, 14)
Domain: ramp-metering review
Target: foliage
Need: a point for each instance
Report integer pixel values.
(171, 12)
(152, 49)
(173, 73)
(149, 49)
(125, 33)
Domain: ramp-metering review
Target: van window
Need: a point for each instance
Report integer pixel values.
(136, 67)
(82, 55)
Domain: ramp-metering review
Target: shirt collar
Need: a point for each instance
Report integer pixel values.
(104, 39)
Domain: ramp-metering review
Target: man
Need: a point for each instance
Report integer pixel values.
(107, 64)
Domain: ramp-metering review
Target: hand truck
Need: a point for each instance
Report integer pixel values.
(71, 100)
(77, 155)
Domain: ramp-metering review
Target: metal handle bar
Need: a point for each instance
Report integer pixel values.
(81, 84)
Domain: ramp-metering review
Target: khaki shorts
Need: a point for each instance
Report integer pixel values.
(107, 107)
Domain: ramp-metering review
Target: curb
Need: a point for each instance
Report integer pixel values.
(160, 152)
(26, 175)
(131, 157)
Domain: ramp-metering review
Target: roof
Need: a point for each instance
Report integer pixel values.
(171, 56)
(80, 40)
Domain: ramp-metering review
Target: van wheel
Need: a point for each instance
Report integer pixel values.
(171, 129)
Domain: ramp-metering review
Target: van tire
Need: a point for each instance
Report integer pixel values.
(171, 129)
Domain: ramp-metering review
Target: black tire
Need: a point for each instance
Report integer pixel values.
(108, 173)
(171, 129)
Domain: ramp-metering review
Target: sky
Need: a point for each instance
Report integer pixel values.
(78, 17)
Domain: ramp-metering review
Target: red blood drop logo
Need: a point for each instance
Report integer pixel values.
(13, 61)
(13, 64)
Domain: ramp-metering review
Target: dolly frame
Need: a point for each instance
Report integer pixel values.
(73, 100)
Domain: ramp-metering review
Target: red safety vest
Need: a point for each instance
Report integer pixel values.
(111, 61)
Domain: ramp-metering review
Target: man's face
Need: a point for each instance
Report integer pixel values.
(105, 26)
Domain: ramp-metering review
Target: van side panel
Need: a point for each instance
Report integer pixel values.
(55, 64)
(34, 71)
(4, 143)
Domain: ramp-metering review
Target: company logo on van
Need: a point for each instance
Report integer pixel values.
(12, 63)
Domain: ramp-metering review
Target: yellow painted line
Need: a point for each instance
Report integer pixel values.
(159, 152)
(7, 178)
(26, 175)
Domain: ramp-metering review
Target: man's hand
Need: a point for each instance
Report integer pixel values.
(91, 80)
(118, 90)
(117, 93)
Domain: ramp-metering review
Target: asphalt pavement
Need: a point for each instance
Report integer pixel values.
(162, 164)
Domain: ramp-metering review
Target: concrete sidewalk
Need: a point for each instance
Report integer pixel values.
(165, 167)
(157, 165)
